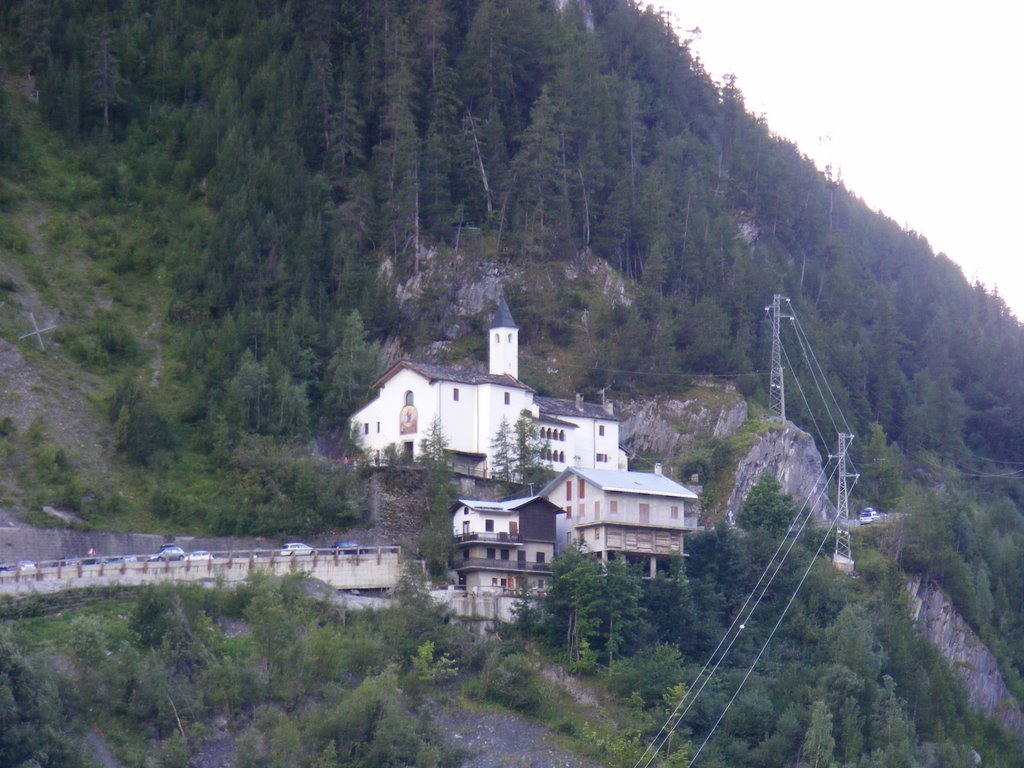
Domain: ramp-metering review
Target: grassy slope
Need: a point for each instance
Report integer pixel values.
(87, 243)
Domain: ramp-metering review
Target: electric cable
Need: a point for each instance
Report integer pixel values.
(742, 618)
(760, 653)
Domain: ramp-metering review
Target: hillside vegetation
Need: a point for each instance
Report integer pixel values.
(233, 213)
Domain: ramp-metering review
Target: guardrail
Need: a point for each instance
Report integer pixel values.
(351, 568)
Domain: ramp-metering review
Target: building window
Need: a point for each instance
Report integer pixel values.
(568, 490)
(568, 511)
(510, 338)
(465, 554)
(521, 557)
(540, 583)
(455, 394)
(597, 510)
(366, 428)
(409, 398)
(508, 398)
(540, 557)
(613, 507)
(600, 430)
(581, 486)
(378, 427)
(597, 534)
(504, 582)
(675, 513)
(602, 458)
(645, 513)
(504, 554)
(561, 435)
(561, 457)
(568, 538)
(582, 510)
(490, 553)
(497, 338)
(494, 581)
(489, 526)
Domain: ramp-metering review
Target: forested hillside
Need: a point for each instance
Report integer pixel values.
(234, 212)
(336, 143)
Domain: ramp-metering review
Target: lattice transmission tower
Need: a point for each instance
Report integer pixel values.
(843, 557)
(777, 385)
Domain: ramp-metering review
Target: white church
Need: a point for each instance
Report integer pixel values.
(471, 406)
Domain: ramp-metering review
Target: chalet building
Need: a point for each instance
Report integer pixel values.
(471, 406)
(504, 545)
(637, 515)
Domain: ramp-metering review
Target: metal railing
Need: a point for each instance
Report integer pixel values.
(502, 565)
(500, 538)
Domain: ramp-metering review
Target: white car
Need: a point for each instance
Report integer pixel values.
(296, 549)
(869, 515)
(198, 555)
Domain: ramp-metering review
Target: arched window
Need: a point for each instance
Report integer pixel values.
(497, 338)
(510, 338)
(561, 435)
(561, 456)
(408, 397)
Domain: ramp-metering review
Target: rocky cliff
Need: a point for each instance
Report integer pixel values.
(792, 457)
(669, 426)
(971, 661)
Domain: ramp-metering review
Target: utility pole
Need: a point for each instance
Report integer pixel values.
(843, 557)
(777, 386)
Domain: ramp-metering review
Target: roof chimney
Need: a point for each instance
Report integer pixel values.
(657, 469)
(579, 402)
(608, 407)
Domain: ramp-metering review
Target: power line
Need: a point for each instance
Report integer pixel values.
(739, 623)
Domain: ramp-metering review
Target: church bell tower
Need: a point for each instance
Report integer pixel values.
(504, 343)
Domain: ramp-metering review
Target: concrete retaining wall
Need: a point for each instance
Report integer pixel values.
(372, 568)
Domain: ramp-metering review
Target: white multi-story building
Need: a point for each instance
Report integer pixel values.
(471, 406)
(637, 515)
(504, 545)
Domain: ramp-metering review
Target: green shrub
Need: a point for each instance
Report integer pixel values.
(512, 682)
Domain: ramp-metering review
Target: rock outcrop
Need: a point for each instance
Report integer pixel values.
(970, 660)
(668, 427)
(792, 457)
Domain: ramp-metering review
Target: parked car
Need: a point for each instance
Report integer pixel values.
(26, 565)
(7, 567)
(198, 555)
(869, 515)
(296, 549)
(168, 552)
(346, 547)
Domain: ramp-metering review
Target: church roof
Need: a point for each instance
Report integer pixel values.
(561, 407)
(451, 373)
(502, 316)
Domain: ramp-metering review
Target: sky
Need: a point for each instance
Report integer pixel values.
(916, 104)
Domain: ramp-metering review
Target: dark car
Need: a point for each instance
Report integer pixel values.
(346, 547)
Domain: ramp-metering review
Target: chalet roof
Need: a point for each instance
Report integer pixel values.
(624, 482)
(451, 373)
(502, 316)
(561, 407)
(499, 507)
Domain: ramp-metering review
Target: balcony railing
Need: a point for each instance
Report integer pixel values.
(501, 538)
(501, 565)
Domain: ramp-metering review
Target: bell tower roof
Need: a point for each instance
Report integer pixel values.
(502, 316)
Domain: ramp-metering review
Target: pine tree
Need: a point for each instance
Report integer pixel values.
(503, 452)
